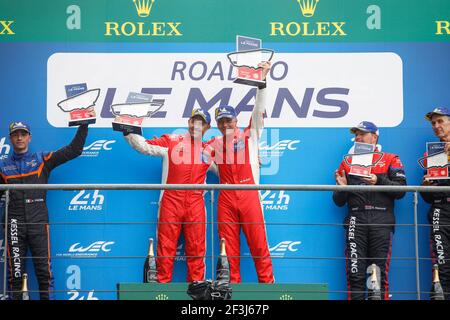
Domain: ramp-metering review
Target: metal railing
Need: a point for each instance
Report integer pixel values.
(213, 187)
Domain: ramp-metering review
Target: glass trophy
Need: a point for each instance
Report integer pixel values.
(79, 104)
(436, 161)
(361, 159)
(130, 115)
(247, 58)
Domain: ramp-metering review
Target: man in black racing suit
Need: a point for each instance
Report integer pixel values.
(439, 213)
(27, 224)
(370, 221)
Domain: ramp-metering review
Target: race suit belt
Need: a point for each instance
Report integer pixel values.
(441, 200)
(33, 200)
(368, 207)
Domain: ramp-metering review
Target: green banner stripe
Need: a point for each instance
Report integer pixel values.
(220, 21)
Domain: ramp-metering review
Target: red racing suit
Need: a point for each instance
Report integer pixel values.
(185, 161)
(238, 163)
(370, 223)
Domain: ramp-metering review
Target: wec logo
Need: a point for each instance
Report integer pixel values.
(277, 149)
(99, 145)
(92, 248)
(93, 150)
(284, 247)
(281, 145)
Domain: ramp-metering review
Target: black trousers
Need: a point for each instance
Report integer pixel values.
(21, 237)
(439, 218)
(368, 240)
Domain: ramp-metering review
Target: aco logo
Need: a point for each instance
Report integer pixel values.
(307, 9)
(137, 27)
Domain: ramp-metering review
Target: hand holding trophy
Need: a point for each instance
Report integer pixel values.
(131, 114)
(435, 162)
(80, 104)
(252, 61)
(361, 159)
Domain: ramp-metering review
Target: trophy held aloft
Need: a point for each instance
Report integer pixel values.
(130, 115)
(247, 59)
(79, 104)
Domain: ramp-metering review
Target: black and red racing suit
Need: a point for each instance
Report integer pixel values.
(439, 219)
(370, 223)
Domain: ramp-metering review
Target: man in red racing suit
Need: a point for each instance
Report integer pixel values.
(236, 156)
(185, 161)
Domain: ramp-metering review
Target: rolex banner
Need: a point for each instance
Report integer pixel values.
(335, 63)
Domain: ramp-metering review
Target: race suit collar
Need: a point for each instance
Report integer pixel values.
(19, 156)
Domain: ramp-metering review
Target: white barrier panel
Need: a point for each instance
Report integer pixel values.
(304, 89)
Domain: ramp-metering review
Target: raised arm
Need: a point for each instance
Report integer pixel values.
(257, 119)
(155, 147)
(256, 125)
(69, 152)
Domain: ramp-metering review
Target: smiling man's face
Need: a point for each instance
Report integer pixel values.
(20, 140)
(441, 127)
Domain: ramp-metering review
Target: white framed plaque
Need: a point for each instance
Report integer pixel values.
(361, 159)
(436, 162)
(130, 115)
(79, 104)
(247, 58)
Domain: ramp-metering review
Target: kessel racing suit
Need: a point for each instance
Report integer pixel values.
(238, 163)
(185, 161)
(439, 219)
(370, 223)
(28, 214)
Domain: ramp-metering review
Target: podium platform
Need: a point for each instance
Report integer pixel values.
(241, 291)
